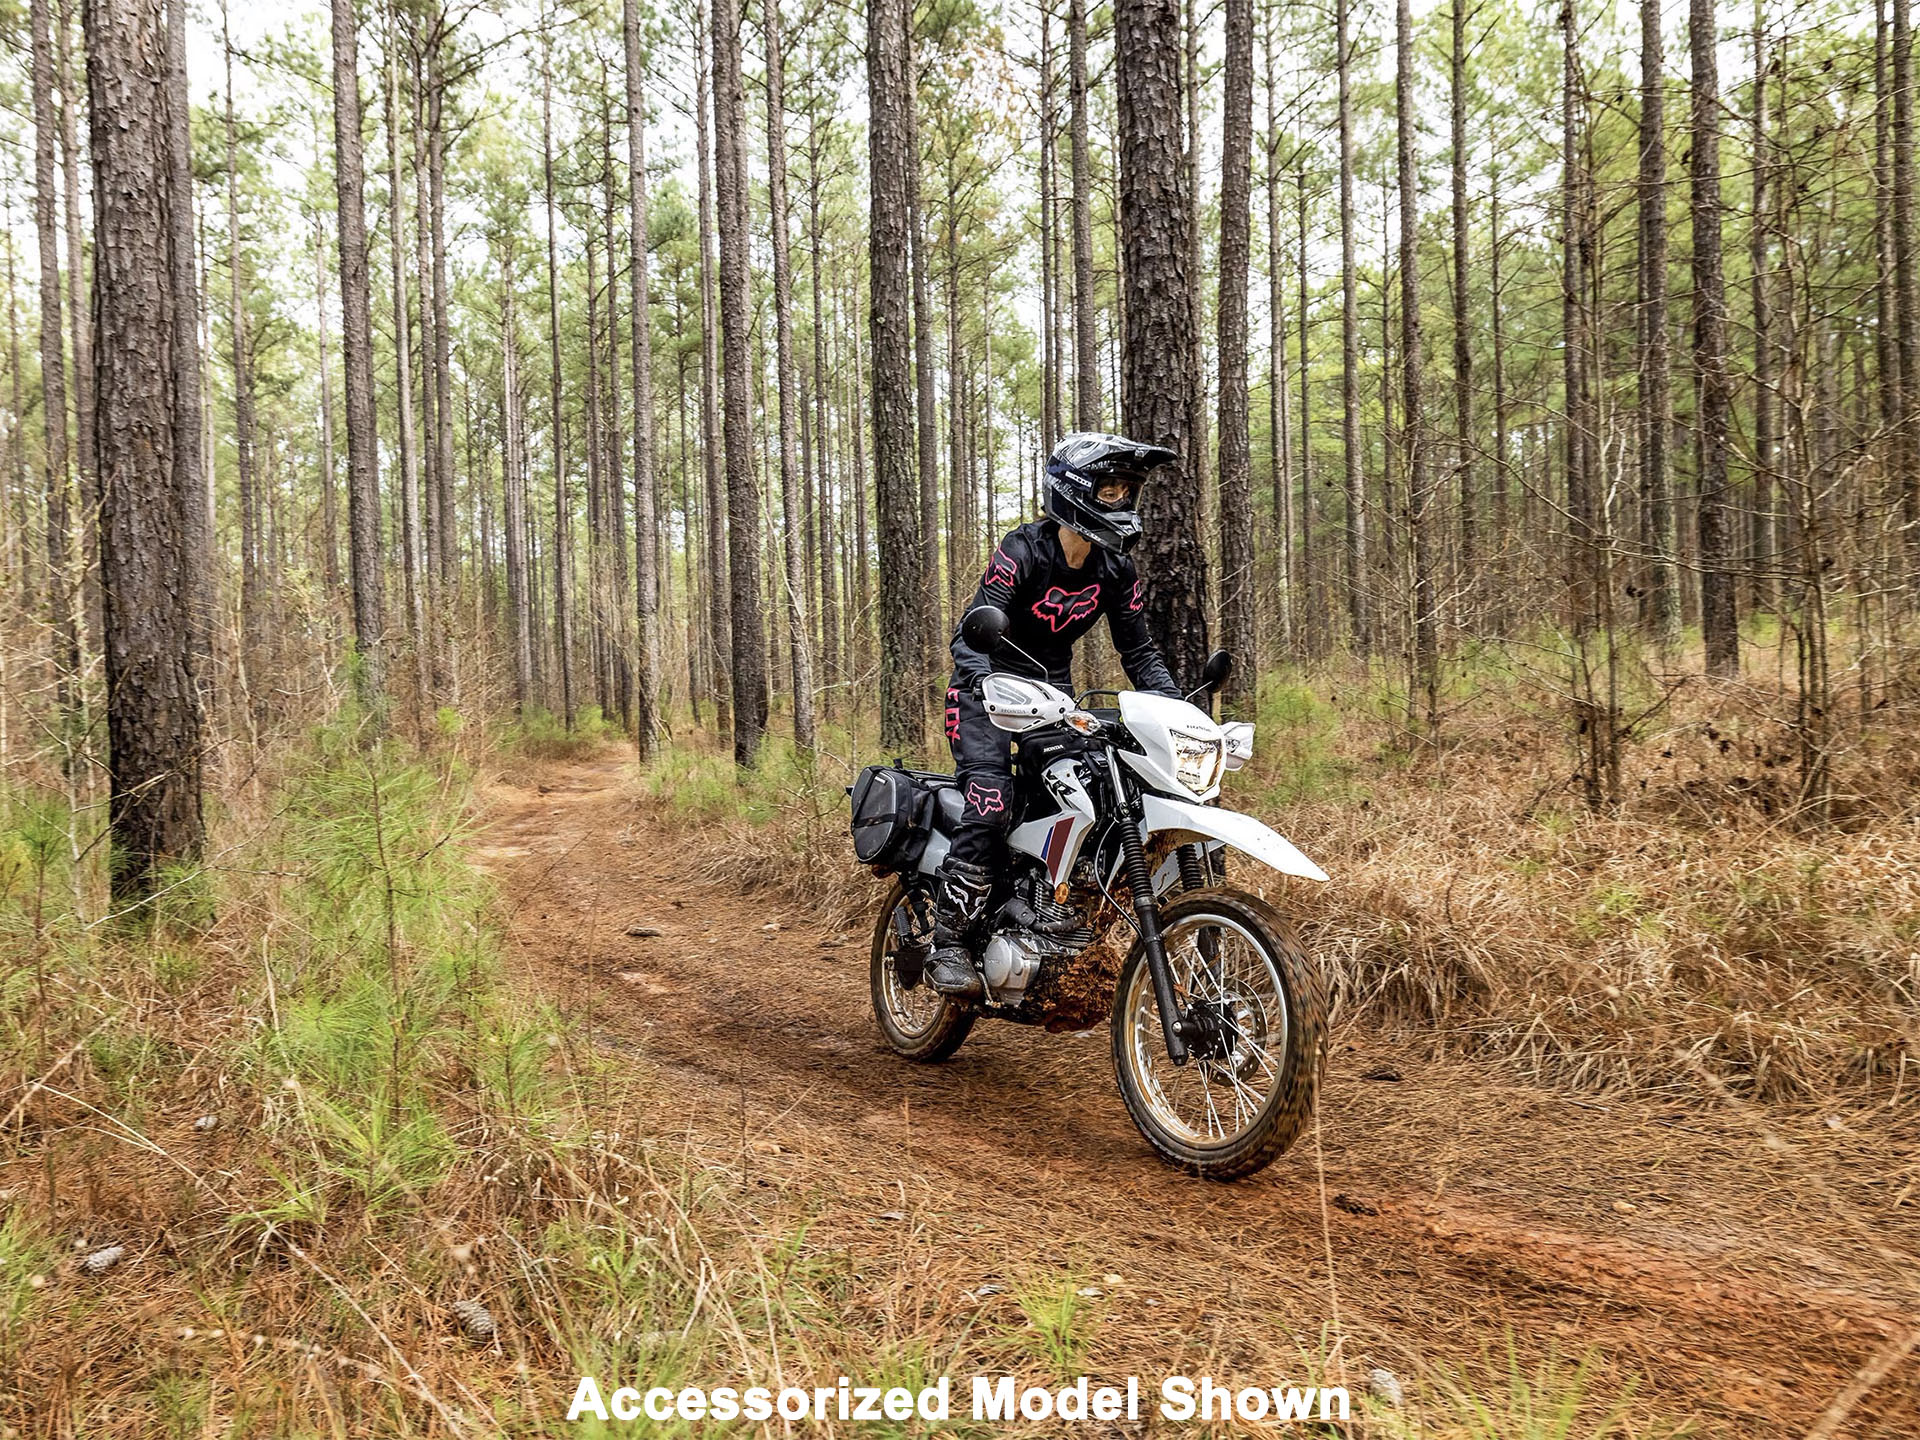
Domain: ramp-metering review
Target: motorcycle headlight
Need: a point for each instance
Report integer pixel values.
(1197, 761)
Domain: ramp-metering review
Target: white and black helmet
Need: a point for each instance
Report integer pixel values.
(1080, 465)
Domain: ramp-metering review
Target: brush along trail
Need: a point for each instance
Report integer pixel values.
(1741, 1271)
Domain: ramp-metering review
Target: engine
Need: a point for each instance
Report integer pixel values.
(1028, 930)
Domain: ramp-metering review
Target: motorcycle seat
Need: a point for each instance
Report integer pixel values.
(949, 800)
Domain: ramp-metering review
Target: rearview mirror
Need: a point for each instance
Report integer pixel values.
(1215, 672)
(984, 627)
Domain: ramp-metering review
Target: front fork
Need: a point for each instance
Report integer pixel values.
(1146, 914)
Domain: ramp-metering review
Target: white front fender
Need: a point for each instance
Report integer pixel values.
(1231, 828)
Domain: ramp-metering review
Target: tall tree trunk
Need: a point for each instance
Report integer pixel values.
(363, 473)
(830, 669)
(1238, 609)
(449, 546)
(1468, 499)
(63, 584)
(329, 498)
(1051, 283)
(743, 482)
(562, 488)
(1356, 487)
(1315, 624)
(719, 638)
(1157, 388)
(1906, 285)
(924, 418)
(403, 387)
(1659, 537)
(1086, 365)
(1719, 612)
(514, 492)
(1760, 282)
(155, 721)
(646, 558)
(1199, 451)
(793, 536)
(1426, 650)
(902, 578)
(79, 319)
(253, 597)
(1279, 442)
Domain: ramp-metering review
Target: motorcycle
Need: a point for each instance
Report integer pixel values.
(1113, 905)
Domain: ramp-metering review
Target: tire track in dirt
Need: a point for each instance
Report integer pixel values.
(1464, 1205)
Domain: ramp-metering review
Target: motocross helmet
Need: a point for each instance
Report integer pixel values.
(1082, 465)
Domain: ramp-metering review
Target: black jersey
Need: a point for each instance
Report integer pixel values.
(1049, 606)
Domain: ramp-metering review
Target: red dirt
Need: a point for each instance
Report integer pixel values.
(1730, 1284)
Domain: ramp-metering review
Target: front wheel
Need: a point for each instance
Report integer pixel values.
(918, 1021)
(1254, 1014)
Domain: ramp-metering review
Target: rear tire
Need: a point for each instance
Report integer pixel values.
(1268, 1056)
(919, 1023)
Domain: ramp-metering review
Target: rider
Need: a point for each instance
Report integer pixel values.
(1054, 578)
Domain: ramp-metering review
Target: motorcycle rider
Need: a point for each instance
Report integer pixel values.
(1054, 578)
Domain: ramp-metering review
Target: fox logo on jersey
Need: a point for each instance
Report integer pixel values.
(1001, 571)
(1060, 608)
(1139, 598)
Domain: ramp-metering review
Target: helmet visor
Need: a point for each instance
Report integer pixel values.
(1118, 490)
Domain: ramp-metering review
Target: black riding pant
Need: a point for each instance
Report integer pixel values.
(983, 766)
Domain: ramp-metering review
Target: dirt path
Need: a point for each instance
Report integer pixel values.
(1728, 1280)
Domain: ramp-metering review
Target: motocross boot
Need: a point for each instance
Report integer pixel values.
(960, 898)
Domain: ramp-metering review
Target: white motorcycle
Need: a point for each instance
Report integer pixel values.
(1113, 905)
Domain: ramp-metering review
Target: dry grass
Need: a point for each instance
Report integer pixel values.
(1478, 900)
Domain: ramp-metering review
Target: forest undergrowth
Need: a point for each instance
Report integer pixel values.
(296, 1159)
(1707, 931)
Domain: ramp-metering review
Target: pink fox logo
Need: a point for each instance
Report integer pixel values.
(1139, 598)
(1060, 608)
(985, 799)
(1000, 571)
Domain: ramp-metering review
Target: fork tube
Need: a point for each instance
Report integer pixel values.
(1140, 881)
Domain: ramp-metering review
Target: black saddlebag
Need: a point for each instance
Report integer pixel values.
(893, 814)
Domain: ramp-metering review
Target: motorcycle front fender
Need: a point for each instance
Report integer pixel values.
(1230, 828)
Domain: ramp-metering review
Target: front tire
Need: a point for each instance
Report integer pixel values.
(918, 1022)
(1248, 1091)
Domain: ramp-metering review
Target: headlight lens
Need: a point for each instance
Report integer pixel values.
(1197, 761)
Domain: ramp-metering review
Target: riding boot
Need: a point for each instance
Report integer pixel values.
(960, 893)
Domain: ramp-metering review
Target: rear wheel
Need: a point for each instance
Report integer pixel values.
(918, 1021)
(1254, 1015)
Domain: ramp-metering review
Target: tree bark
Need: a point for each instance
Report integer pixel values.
(1719, 612)
(1759, 284)
(80, 320)
(646, 558)
(793, 539)
(923, 362)
(411, 579)
(1906, 285)
(1464, 484)
(253, 598)
(1659, 538)
(514, 491)
(1238, 608)
(719, 638)
(363, 474)
(562, 488)
(743, 481)
(155, 721)
(1157, 383)
(1426, 649)
(1086, 365)
(902, 577)
(1356, 491)
(63, 581)
(830, 668)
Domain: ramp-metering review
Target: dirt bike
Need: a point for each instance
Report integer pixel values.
(1114, 905)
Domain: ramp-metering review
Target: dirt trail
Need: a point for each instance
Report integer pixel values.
(1463, 1205)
